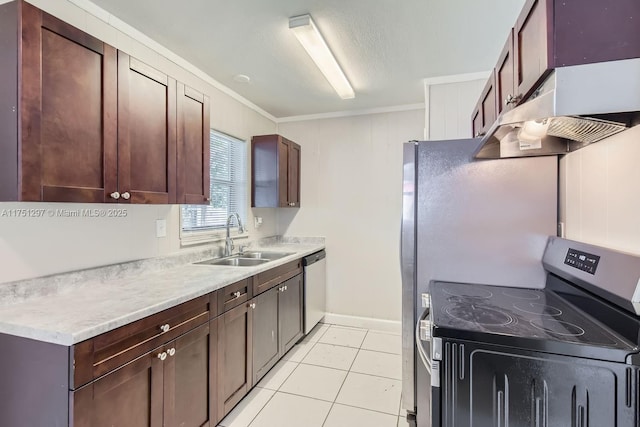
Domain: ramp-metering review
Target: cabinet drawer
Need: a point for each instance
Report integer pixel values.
(233, 295)
(99, 355)
(270, 278)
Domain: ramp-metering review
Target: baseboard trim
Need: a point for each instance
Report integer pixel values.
(391, 326)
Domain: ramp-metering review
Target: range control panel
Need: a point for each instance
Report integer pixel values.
(582, 260)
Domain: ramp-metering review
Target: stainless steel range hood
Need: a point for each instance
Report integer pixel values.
(574, 107)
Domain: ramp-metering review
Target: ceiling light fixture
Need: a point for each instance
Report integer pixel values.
(313, 42)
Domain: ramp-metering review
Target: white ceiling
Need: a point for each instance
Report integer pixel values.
(386, 47)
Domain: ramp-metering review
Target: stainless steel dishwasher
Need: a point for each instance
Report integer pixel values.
(315, 289)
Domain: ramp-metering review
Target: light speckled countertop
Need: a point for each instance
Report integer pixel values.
(76, 313)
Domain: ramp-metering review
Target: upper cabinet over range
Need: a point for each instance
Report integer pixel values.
(550, 34)
(83, 122)
(275, 172)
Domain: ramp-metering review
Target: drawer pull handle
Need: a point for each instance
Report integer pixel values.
(171, 351)
(165, 327)
(253, 305)
(162, 356)
(236, 295)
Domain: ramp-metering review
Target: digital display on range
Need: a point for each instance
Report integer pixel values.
(582, 260)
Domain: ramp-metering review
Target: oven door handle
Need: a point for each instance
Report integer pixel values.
(426, 360)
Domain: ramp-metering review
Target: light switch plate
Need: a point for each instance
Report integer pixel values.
(161, 228)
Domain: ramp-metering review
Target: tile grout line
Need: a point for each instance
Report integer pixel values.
(275, 392)
(261, 409)
(343, 381)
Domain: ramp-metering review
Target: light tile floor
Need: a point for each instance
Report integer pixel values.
(336, 377)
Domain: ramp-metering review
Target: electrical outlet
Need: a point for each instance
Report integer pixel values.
(257, 221)
(161, 228)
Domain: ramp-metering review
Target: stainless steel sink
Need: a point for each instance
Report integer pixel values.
(235, 261)
(265, 255)
(246, 259)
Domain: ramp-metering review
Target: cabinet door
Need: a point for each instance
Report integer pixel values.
(265, 333)
(476, 121)
(69, 116)
(234, 357)
(294, 174)
(193, 146)
(189, 379)
(505, 83)
(131, 396)
(146, 133)
(485, 113)
(283, 172)
(290, 313)
(488, 104)
(531, 45)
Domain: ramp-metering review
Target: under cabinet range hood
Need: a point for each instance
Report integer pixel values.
(575, 106)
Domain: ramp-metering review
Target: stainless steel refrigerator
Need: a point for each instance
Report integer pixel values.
(469, 221)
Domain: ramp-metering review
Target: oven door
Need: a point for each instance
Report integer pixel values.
(427, 375)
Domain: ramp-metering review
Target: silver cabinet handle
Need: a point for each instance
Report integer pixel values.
(126, 195)
(281, 289)
(162, 356)
(253, 305)
(165, 327)
(512, 99)
(236, 295)
(171, 351)
(115, 195)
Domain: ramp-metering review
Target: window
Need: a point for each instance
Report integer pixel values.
(228, 171)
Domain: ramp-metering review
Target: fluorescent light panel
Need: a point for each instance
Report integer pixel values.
(313, 42)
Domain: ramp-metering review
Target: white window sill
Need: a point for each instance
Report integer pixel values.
(203, 237)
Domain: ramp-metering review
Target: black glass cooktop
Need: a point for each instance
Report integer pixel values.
(537, 319)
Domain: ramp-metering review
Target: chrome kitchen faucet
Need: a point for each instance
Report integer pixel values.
(228, 248)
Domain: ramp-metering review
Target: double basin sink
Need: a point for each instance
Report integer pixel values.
(246, 259)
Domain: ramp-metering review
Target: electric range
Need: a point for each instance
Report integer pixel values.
(565, 355)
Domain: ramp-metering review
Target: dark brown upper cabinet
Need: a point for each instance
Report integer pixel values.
(505, 78)
(552, 33)
(146, 133)
(59, 139)
(485, 112)
(87, 123)
(193, 146)
(275, 172)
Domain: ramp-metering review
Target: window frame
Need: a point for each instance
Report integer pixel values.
(190, 238)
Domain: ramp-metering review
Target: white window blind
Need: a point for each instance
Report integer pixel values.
(228, 171)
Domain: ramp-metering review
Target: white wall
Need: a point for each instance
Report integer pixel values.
(600, 193)
(352, 194)
(32, 247)
(449, 108)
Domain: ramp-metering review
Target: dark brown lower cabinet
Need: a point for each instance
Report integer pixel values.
(266, 343)
(169, 386)
(290, 309)
(277, 324)
(234, 357)
(190, 379)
